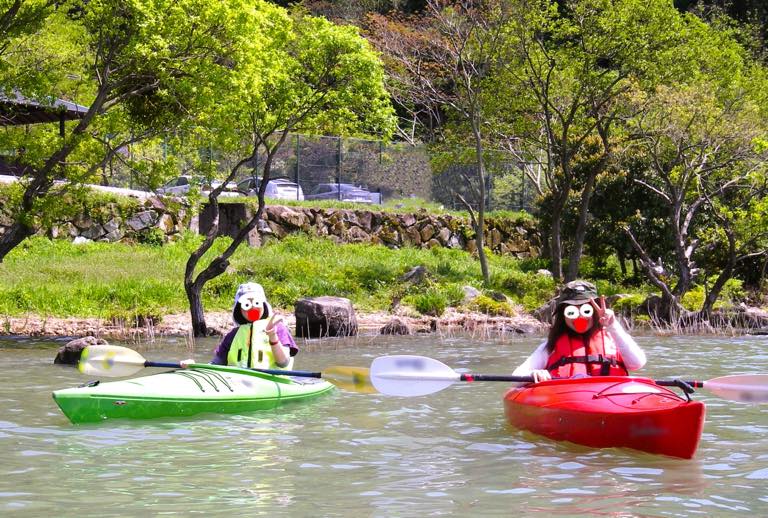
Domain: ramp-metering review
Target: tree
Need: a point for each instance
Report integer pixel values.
(440, 68)
(706, 165)
(142, 61)
(291, 73)
(572, 67)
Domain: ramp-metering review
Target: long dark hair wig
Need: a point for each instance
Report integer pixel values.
(558, 327)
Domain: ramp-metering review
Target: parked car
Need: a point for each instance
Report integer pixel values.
(181, 185)
(343, 192)
(278, 188)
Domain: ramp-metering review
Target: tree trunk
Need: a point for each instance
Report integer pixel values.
(480, 231)
(622, 263)
(556, 247)
(581, 228)
(199, 327)
(725, 275)
(17, 233)
(560, 200)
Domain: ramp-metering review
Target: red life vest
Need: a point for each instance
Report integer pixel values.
(600, 358)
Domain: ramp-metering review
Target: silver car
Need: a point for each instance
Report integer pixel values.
(277, 188)
(343, 192)
(181, 185)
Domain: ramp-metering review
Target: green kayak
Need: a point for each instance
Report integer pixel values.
(185, 392)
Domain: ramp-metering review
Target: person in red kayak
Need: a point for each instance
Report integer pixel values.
(586, 339)
(271, 343)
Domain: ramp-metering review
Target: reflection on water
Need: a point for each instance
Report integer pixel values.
(367, 454)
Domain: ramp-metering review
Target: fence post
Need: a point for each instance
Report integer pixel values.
(338, 168)
(298, 159)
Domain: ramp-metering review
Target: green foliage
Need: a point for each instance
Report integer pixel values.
(489, 306)
(125, 282)
(601, 268)
(534, 264)
(733, 291)
(529, 289)
(693, 300)
(61, 279)
(629, 304)
(430, 302)
(151, 236)
(412, 205)
(141, 67)
(454, 294)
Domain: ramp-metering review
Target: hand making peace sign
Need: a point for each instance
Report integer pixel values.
(605, 315)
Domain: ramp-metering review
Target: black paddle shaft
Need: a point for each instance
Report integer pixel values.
(469, 377)
(493, 377)
(281, 372)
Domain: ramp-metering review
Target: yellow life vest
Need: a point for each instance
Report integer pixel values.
(261, 354)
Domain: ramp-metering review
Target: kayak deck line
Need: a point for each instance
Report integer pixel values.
(197, 375)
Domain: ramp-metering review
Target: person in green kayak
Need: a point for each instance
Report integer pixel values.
(271, 344)
(586, 339)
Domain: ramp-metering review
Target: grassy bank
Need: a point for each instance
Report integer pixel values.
(59, 279)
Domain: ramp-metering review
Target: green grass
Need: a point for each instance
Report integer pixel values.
(113, 280)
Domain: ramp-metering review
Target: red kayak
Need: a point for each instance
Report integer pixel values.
(609, 412)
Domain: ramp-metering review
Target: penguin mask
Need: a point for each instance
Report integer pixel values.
(251, 303)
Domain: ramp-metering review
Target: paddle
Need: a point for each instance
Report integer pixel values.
(407, 375)
(117, 361)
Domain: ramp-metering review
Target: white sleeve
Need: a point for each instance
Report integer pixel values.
(633, 356)
(536, 361)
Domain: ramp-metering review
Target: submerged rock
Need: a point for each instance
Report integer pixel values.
(69, 354)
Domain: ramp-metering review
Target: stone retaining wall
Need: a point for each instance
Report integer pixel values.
(111, 218)
(422, 229)
(159, 220)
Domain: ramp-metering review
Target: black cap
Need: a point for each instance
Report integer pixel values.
(577, 292)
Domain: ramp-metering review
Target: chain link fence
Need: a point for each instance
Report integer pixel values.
(506, 186)
(345, 169)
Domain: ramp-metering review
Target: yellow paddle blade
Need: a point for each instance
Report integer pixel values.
(110, 360)
(354, 379)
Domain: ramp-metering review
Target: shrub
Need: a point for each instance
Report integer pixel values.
(629, 304)
(487, 305)
(731, 292)
(529, 289)
(694, 299)
(431, 302)
(601, 268)
(151, 236)
(534, 264)
(454, 293)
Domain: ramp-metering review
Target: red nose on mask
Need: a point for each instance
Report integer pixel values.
(581, 324)
(253, 314)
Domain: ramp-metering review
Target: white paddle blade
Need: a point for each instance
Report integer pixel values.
(747, 388)
(110, 360)
(407, 375)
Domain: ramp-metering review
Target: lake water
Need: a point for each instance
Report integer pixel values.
(351, 454)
